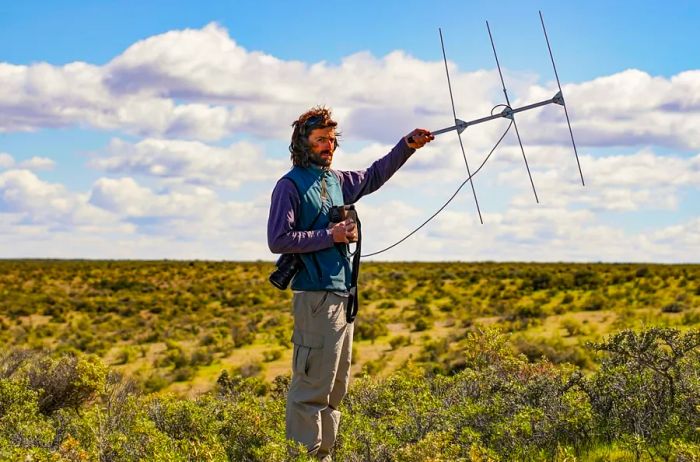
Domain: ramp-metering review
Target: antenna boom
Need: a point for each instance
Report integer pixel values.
(507, 113)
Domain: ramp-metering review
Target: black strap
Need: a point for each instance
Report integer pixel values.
(353, 305)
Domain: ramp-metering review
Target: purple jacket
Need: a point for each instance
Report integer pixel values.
(282, 235)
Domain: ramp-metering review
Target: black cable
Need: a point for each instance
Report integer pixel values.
(453, 195)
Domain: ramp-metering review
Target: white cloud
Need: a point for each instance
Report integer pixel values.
(164, 195)
(37, 163)
(630, 108)
(200, 84)
(643, 180)
(125, 197)
(190, 162)
(34, 163)
(185, 212)
(24, 195)
(118, 218)
(6, 160)
(678, 236)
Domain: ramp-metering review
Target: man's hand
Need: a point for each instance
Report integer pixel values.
(418, 138)
(345, 231)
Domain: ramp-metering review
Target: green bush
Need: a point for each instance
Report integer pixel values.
(399, 341)
(65, 382)
(648, 387)
(22, 425)
(370, 328)
(674, 307)
(421, 324)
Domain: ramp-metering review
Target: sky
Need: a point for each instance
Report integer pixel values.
(157, 130)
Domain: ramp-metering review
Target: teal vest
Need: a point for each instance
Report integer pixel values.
(327, 269)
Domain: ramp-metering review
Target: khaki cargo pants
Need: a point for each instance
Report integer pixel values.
(320, 370)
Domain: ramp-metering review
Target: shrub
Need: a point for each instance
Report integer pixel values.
(674, 307)
(421, 324)
(155, 381)
(553, 350)
(568, 298)
(690, 318)
(242, 334)
(21, 423)
(370, 328)
(399, 341)
(572, 326)
(586, 279)
(183, 374)
(647, 386)
(272, 355)
(190, 423)
(66, 382)
(593, 303)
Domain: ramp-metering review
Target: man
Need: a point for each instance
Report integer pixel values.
(299, 223)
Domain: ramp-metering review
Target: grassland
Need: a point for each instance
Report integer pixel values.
(175, 326)
(161, 360)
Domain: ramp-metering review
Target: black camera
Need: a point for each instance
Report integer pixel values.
(288, 264)
(336, 214)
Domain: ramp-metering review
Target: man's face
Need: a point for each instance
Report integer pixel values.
(322, 142)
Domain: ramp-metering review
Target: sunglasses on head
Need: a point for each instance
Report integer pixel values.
(312, 121)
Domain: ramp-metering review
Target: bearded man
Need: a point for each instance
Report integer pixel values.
(300, 223)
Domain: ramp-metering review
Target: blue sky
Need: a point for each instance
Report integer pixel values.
(156, 129)
(592, 38)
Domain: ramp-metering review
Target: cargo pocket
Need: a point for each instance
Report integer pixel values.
(308, 353)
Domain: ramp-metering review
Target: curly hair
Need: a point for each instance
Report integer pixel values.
(316, 117)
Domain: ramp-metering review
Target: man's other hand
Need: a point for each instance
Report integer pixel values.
(345, 231)
(418, 138)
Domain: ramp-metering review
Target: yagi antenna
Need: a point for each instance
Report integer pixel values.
(508, 112)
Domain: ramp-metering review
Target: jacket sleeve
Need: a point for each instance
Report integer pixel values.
(356, 184)
(282, 233)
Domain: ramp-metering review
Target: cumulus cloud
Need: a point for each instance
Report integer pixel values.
(190, 162)
(683, 235)
(534, 233)
(630, 108)
(164, 194)
(6, 160)
(37, 163)
(120, 218)
(31, 200)
(125, 197)
(33, 163)
(200, 84)
(642, 180)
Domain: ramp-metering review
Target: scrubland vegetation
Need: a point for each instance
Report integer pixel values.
(454, 361)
